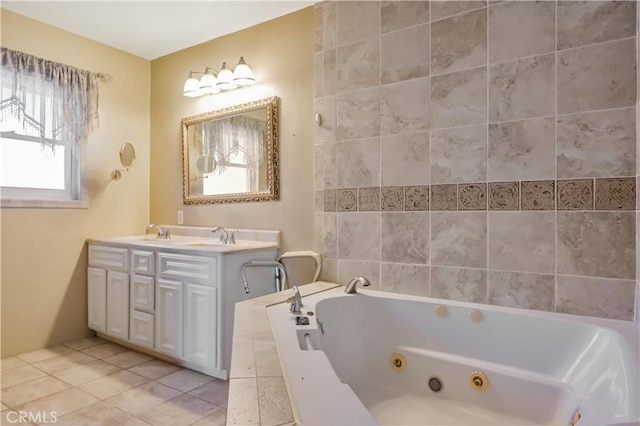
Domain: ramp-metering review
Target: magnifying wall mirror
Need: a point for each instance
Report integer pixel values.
(231, 155)
(127, 159)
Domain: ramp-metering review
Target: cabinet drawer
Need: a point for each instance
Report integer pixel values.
(142, 293)
(115, 258)
(142, 262)
(191, 268)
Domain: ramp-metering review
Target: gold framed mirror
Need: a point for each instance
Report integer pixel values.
(231, 155)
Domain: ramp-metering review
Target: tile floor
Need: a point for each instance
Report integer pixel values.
(94, 382)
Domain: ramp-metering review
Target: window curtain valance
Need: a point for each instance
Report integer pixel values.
(226, 137)
(47, 100)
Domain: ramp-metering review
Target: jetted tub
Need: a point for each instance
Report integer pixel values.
(382, 358)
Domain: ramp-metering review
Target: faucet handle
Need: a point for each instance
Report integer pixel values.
(232, 236)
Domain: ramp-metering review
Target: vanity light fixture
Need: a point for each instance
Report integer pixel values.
(212, 82)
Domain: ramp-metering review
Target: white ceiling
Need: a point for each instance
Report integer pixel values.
(151, 29)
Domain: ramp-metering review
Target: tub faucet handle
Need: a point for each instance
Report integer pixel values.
(351, 287)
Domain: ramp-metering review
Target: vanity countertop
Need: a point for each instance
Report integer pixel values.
(190, 244)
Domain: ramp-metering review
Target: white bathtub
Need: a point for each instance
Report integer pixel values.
(542, 368)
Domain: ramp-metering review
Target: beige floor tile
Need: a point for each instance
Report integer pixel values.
(46, 353)
(105, 350)
(11, 362)
(64, 362)
(217, 418)
(17, 395)
(154, 369)
(87, 372)
(19, 375)
(128, 359)
(185, 380)
(114, 384)
(3, 407)
(216, 392)
(99, 414)
(10, 417)
(85, 343)
(139, 400)
(62, 402)
(182, 410)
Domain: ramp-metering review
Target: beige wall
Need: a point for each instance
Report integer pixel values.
(43, 250)
(281, 54)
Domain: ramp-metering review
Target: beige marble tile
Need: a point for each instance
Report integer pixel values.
(416, 198)
(396, 15)
(318, 172)
(404, 55)
(444, 197)
(243, 403)
(472, 196)
(43, 354)
(141, 399)
(504, 195)
(358, 163)
(181, 410)
(99, 414)
(85, 343)
(369, 199)
(521, 28)
(3, 407)
(359, 114)
(522, 150)
(459, 42)
(575, 194)
(106, 387)
(459, 99)
(216, 391)
(597, 144)
(318, 201)
(11, 362)
(459, 239)
(105, 351)
(459, 155)
(22, 393)
(85, 373)
(185, 380)
(520, 290)
(405, 159)
(537, 195)
(358, 65)
(405, 279)
(359, 236)
(444, 8)
(585, 22)
(329, 82)
(522, 241)
(523, 88)
(63, 362)
(317, 28)
(597, 77)
(62, 402)
(466, 285)
(326, 107)
(406, 237)
(218, 417)
(392, 198)
(596, 297)
(356, 21)
(273, 400)
(347, 200)
(615, 194)
(243, 363)
(154, 369)
(596, 244)
(330, 235)
(330, 165)
(318, 70)
(329, 270)
(404, 107)
(347, 269)
(329, 26)
(19, 375)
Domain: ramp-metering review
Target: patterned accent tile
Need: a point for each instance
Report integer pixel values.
(575, 194)
(329, 200)
(347, 200)
(503, 196)
(392, 198)
(472, 196)
(369, 199)
(444, 197)
(538, 195)
(416, 198)
(615, 194)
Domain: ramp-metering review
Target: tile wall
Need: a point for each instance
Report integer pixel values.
(480, 151)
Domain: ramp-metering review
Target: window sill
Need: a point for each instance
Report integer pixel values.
(44, 204)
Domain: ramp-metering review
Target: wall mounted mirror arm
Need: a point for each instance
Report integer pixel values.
(127, 159)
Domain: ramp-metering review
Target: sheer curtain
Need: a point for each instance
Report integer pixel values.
(46, 100)
(224, 138)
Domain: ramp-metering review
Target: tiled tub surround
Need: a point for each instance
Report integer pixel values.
(480, 151)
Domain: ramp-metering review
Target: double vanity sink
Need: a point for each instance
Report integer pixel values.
(175, 298)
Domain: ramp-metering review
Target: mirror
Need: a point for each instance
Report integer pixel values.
(231, 155)
(127, 158)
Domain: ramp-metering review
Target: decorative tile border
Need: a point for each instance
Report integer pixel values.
(562, 194)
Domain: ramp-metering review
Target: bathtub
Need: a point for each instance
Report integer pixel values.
(382, 358)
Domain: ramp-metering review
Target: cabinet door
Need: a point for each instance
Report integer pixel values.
(141, 329)
(200, 328)
(97, 299)
(118, 304)
(169, 322)
(142, 293)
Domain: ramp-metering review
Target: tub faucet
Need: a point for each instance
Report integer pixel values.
(351, 287)
(226, 236)
(163, 233)
(297, 301)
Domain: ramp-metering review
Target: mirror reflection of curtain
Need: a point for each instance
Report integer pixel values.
(234, 138)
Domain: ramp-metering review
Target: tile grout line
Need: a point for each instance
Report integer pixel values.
(430, 134)
(487, 115)
(555, 152)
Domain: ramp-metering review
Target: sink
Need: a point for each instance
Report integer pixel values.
(201, 244)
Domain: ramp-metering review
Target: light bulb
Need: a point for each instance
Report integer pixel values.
(243, 75)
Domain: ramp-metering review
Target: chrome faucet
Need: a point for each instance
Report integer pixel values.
(226, 236)
(351, 287)
(163, 233)
(296, 304)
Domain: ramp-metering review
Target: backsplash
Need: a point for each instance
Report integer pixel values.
(480, 151)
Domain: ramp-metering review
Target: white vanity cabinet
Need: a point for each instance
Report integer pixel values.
(142, 297)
